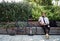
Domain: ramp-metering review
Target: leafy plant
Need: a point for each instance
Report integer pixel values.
(14, 11)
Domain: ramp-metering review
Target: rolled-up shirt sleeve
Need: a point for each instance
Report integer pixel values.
(47, 21)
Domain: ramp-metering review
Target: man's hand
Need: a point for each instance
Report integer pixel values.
(42, 23)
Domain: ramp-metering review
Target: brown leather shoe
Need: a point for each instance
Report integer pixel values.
(47, 36)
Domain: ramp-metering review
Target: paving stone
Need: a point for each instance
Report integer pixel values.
(29, 38)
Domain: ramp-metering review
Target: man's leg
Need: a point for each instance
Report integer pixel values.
(47, 31)
(44, 29)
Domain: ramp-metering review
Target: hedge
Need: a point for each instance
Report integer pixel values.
(14, 11)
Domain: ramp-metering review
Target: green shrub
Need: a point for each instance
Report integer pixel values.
(52, 12)
(14, 11)
(38, 6)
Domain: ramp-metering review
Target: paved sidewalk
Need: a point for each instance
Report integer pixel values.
(29, 38)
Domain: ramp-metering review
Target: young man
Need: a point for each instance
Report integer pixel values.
(44, 23)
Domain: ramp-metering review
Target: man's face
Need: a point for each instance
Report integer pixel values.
(43, 14)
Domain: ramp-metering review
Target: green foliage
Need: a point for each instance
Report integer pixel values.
(52, 12)
(36, 11)
(22, 11)
(38, 6)
(14, 11)
(56, 13)
(46, 2)
(41, 2)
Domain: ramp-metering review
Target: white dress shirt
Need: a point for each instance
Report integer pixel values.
(45, 19)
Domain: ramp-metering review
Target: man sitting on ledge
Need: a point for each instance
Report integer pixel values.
(44, 23)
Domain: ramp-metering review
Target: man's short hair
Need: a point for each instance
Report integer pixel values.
(43, 13)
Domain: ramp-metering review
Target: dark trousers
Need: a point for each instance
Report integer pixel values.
(46, 29)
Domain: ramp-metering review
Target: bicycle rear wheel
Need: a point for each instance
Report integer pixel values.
(10, 29)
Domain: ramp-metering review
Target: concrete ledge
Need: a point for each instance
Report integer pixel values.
(39, 30)
(35, 30)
